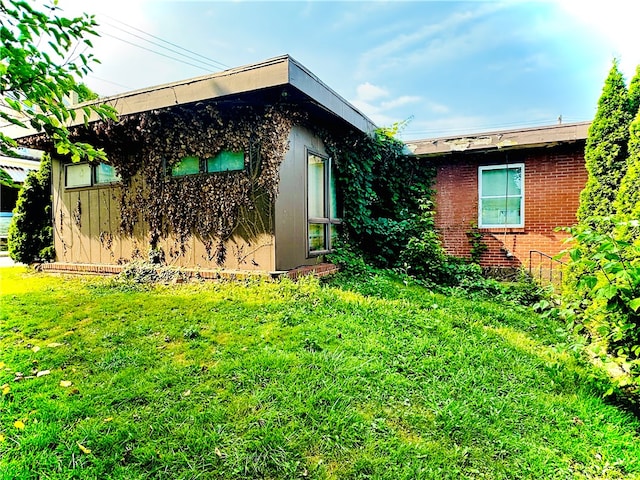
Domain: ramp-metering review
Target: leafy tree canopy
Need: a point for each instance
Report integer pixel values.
(43, 56)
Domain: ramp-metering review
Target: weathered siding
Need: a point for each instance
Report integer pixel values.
(554, 178)
(291, 205)
(87, 230)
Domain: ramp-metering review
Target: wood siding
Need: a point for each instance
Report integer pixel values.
(87, 231)
(291, 204)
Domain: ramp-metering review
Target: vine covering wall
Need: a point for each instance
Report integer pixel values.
(144, 147)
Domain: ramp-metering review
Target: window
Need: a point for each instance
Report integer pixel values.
(86, 175)
(225, 161)
(105, 174)
(322, 204)
(501, 196)
(186, 166)
(77, 175)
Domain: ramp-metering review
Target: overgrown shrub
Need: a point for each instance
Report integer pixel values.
(423, 256)
(30, 236)
(382, 190)
(607, 289)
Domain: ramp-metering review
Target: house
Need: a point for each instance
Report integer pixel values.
(500, 195)
(14, 171)
(225, 171)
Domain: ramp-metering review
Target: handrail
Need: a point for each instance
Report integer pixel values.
(549, 260)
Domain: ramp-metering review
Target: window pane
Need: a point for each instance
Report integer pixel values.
(186, 166)
(501, 211)
(78, 175)
(106, 174)
(316, 237)
(334, 233)
(226, 161)
(333, 198)
(316, 187)
(514, 181)
(493, 182)
(501, 181)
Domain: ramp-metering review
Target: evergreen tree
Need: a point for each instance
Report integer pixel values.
(628, 202)
(606, 149)
(634, 93)
(30, 237)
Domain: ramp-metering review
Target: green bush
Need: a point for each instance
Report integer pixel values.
(30, 236)
(423, 257)
(382, 189)
(607, 289)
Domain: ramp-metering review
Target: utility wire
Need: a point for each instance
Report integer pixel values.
(156, 52)
(109, 81)
(485, 128)
(220, 65)
(207, 63)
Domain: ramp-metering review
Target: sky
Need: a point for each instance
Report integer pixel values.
(442, 68)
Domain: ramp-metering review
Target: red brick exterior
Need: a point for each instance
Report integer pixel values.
(554, 177)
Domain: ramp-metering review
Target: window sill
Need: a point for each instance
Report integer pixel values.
(502, 230)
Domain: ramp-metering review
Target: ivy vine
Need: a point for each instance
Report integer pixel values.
(143, 147)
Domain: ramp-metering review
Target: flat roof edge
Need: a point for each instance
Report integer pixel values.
(530, 137)
(278, 71)
(308, 83)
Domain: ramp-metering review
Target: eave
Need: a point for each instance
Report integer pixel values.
(535, 137)
(253, 80)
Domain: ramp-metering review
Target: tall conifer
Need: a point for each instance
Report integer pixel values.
(628, 202)
(634, 93)
(606, 149)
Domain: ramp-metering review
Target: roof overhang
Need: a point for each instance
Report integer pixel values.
(283, 72)
(17, 168)
(545, 136)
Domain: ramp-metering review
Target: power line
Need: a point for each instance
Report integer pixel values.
(218, 64)
(208, 63)
(109, 81)
(157, 53)
(484, 128)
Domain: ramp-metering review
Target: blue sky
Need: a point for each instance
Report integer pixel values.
(449, 67)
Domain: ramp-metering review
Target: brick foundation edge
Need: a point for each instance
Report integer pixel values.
(319, 270)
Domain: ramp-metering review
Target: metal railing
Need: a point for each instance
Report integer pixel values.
(544, 269)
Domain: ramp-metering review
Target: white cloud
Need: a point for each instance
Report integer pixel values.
(375, 102)
(367, 92)
(400, 102)
(449, 38)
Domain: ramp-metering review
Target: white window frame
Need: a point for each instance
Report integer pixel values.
(481, 197)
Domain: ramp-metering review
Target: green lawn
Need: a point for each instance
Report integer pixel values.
(351, 379)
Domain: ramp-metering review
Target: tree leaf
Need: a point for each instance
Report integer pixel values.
(635, 304)
(84, 449)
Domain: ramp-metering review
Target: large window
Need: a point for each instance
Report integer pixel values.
(86, 175)
(501, 199)
(224, 161)
(322, 204)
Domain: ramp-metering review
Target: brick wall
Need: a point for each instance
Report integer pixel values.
(554, 177)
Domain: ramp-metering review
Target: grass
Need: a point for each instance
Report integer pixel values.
(352, 379)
